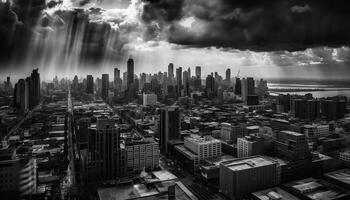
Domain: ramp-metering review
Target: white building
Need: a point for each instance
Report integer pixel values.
(203, 147)
(144, 154)
(149, 99)
(315, 131)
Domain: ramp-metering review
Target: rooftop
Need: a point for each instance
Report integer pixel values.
(342, 175)
(274, 193)
(247, 163)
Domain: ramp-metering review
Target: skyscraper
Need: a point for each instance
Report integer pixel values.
(89, 84)
(171, 70)
(103, 150)
(34, 89)
(250, 86)
(210, 86)
(130, 70)
(116, 75)
(179, 80)
(238, 86)
(198, 72)
(169, 126)
(105, 86)
(228, 74)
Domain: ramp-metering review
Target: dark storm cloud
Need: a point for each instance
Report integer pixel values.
(258, 25)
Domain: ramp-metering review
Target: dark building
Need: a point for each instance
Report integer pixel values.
(293, 147)
(105, 86)
(102, 160)
(228, 74)
(251, 86)
(333, 109)
(130, 72)
(169, 126)
(34, 89)
(252, 100)
(89, 84)
(179, 80)
(21, 99)
(198, 72)
(171, 70)
(210, 86)
(238, 86)
(306, 109)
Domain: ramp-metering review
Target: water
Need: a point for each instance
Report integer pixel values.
(328, 90)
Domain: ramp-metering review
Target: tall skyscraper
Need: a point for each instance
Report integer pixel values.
(198, 72)
(34, 88)
(21, 98)
(116, 75)
(210, 86)
(228, 74)
(244, 89)
(171, 70)
(130, 68)
(89, 84)
(250, 86)
(105, 86)
(238, 86)
(169, 126)
(179, 80)
(102, 161)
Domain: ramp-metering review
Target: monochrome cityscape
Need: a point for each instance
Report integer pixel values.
(82, 122)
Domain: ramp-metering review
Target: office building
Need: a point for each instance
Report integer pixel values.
(345, 158)
(306, 109)
(149, 99)
(333, 109)
(170, 126)
(105, 86)
(230, 132)
(102, 160)
(250, 146)
(171, 70)
(210, 86)
(250, 86)
(34, 89)
(203, 147)
(293, 147)
(179, 80)
(89, 84)
(18, 176)
(143, 154)
(198, 72)
(21, 98)
(238, 86)
(130, 72)
(240, 177)
(315, 131)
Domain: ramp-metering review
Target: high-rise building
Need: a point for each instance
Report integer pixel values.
(249, 146)
(238, 86)
(210, 86)
(198, 72)
(102, 160)
(142, 154)
(228, 74)
(149, 99)
(105, 86)
(171, 70)
(333, 109)
(179, 80)
(293, 147)
(202, 148)
(130, 70)
(89, 84)
(250, 86)
(244, 89)
(240, 177)
(170, 126)
(18, 175)
(34, 89)
(230, 132)
(306, 109)
(21, 96)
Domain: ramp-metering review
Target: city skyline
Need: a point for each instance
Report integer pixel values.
(104, 34)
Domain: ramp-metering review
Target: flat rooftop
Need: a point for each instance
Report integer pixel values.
(292, 133)
(274, 193)
(342, 175)
(202, 140)
(247, 163)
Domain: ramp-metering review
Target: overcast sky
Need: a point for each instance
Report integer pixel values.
(261, 38)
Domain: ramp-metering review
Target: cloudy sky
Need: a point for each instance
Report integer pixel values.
(261, 38)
